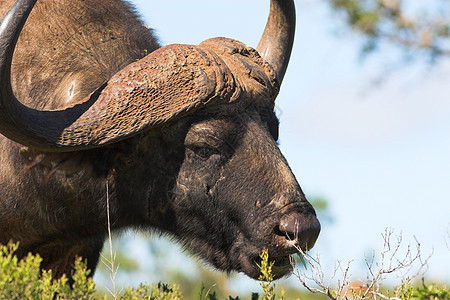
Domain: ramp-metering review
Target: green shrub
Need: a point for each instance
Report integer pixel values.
(160, 291)
(430, 292)
(23, 279)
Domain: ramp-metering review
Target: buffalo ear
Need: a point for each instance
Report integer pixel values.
(69, 163)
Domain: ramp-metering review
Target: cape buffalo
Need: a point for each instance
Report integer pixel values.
(179, 139)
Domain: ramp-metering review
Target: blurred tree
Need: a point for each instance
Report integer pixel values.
(322, 208)
(421, 29)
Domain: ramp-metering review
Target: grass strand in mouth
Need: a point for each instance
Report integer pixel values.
(305, 259)
(301, 258)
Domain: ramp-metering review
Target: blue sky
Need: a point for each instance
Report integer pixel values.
(379, 153)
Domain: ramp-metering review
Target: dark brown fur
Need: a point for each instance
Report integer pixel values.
(69, 48)
(215, 180)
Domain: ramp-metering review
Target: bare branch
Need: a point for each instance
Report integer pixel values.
(391, 262)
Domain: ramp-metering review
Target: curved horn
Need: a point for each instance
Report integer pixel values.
(168, 83)
(11, 25)
(276, 42)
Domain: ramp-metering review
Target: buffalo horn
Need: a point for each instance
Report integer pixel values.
(166, 84)
(275, 45)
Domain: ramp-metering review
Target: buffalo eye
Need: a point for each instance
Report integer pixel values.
(203, 152)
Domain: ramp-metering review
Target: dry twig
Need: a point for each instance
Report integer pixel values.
(408, 266)
(110, 262)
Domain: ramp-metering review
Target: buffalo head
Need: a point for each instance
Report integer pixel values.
(186, 138)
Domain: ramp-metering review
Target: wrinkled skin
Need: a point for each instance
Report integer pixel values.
(215, 180)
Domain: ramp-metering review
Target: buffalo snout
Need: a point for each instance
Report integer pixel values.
(295, 232)
(298, 228)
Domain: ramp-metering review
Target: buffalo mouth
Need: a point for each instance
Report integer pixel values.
(282, 265)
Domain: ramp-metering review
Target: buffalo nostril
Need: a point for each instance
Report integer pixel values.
(304, 229)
